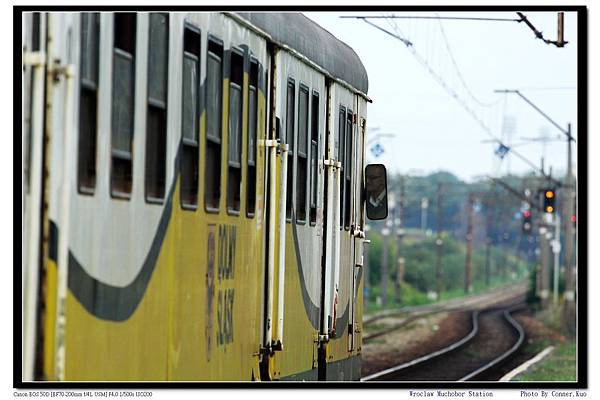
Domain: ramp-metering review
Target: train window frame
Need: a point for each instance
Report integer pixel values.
(158, 138)
(315, 120)
(120, 157)
(289, 202)
(252, 123)
(302, 89)
(347, 176)
(235, 159)
(89, 87)
(213, 142)
(190, 147)
(341, 158)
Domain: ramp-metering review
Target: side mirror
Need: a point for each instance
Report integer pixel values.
(376, 191)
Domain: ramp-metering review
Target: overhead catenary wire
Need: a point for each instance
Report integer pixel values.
(433, 17)
(459, 74)
(399, 35)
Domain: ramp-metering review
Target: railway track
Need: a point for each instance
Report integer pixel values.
(494, 337)
(407, 315)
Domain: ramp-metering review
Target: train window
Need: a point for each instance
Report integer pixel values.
(301, 169)
(234, 137)
(289, 139)
(252, 128)
(314, 156)
(340, 157)
(88, 102)
(348, 173)
(123, 103)
(156, 125)
(35, 31)
(214, 98)
(190, 118)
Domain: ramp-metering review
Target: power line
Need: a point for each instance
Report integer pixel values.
(434, 17)
(460, 76)
(549, 88)
(399, 35)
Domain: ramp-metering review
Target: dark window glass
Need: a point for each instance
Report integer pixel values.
(90, 32)
(190, 118)
(88, 102)
(158, 57)
(252, 127)
(301, 171)
(190, 97)
(340, 157)
(314, 156)
(123, 103)
(35, 31)
(289, 133)
(125, 30)
(156, 128)
(234, 142)
(348, 172)
(214, 99)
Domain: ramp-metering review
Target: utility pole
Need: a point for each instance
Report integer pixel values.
(488, 230)
(469, 237)
(424, 206)
(556, 251)
(366, 269)
(439, 243)
(545, 270)
(399, 222)
(569, 311)
(384, 266)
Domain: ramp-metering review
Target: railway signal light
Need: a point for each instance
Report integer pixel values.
(549, 200)
(526, 221)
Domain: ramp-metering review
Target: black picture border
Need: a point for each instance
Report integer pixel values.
(582, 209)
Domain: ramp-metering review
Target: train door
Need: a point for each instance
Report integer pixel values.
(342, 252)
(335, 253)
(330, 261)
(295, 232)
(357, 222)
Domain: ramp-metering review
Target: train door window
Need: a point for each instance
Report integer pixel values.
(252, 128)
(347, 176)
(314, 156)
(301, 169)
(190, 118)
(156, 125)
(123, 95)
(341, 153)
(289, 133)
(234, 137)
(214, 98)
(88, 102)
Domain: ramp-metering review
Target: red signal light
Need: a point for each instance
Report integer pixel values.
(573, 218)
(527, 214)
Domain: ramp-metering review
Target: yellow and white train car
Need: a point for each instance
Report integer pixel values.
(193, 204)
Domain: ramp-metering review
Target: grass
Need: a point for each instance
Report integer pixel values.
(413, 297)
(559, 365)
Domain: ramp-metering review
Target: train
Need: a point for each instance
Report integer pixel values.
(195, 192)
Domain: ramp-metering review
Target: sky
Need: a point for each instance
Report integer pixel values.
(432, 130)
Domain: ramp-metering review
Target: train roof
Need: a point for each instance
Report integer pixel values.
(300, 33)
